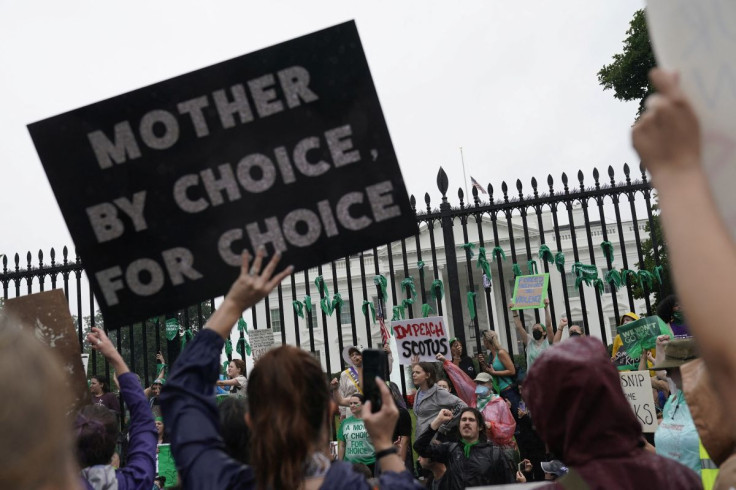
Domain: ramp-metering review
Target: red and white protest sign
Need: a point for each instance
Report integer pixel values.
(422, 337)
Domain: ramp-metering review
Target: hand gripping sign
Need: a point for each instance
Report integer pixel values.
(164, 187)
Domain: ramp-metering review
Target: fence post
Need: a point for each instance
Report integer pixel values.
(453, 286)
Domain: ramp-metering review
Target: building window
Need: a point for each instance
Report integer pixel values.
(572, 291)
(345, 314)
(275, 319)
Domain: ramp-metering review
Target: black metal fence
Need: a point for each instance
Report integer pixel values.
(532, 228)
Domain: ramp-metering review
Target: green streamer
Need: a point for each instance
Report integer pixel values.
(398, 313)
(381, 282)
(243, 347)
(229, 349)
(369, 304)
(308, 304)
(498, 251)
(483, 262)
(408, 283)
(471, 304)
(186, 336)
(420, 265)
(426, 310)
(242, 326)
(560, 262)
(469, 249)
(407, 302)
(607, 248)
(658, 271)
(531, 266)
(326, 305)
(298, 308)
(438, 290)
(321, 286)
(584, 273)
(645, 279)
(545, 254)
(629, 277)
(598, 284)
(224, 365)
(614, 279)
(337, 303)
(516, 270)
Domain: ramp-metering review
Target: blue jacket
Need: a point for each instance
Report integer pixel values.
(191, 417)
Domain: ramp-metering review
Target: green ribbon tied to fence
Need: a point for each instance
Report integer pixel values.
(229, 349)
(469, 249)
(531, 266)
(560, 262)
(426, 310)
(629, 277)
(398, 313)
(243, 347)
(420, 265)
(613, 277)
(298, 308)
(321, 286)
(545, 254)
(308, 304)
(407, 303)
(408, 283)
(584, 273)
(337, 303)
(598, 284)
(366, 305)
(516, 270)
(645, 279)
(438, 290)
(482, 262)
(326, 305)
(658, 271)
(242, 326)
(471, 304)
(224, 365)
(186, 336)
(381, 282)
(498, 251)
(607, 248)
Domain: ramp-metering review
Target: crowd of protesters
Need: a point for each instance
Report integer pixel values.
(568, 420)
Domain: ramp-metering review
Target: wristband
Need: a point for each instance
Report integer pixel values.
(386, 452)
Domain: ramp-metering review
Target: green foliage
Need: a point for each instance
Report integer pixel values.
(647, 250)
(627, 75)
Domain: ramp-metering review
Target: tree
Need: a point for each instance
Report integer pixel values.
(628, 74)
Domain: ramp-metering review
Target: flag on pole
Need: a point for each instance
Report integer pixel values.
(477, 185)
(385, 334)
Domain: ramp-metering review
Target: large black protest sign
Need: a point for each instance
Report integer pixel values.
(162, 188)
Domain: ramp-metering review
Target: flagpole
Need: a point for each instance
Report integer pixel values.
(465, 179)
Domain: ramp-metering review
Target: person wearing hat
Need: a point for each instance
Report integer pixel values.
(553, 469)
(539, 340)
(351, 378)
(676, 437)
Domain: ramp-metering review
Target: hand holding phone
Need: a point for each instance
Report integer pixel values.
(374, 361)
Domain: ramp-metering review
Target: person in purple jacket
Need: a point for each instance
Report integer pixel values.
(96, 428)
(289, 410)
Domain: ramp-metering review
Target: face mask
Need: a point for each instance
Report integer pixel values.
(537, 334)
(481, 390)
(574, 334)
(678, 318)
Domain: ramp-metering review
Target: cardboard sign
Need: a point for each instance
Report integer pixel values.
(261, 341)
(698, 40)
(164, 187)
(423, 337)
(47, 314)
(642, 334)
(530, 291)
(638, 391)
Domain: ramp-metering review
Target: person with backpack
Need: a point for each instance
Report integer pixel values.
(473, 460)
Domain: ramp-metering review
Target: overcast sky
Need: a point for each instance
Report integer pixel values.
(512, 83)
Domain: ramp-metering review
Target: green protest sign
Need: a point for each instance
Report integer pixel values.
(642, 335)
(166, 465)
(530, 291)
(172, 328)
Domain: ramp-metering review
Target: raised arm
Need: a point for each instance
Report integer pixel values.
(560, 328)
(423, 445)
(667, 138)
(547, 319)
(336, 395)
(519, 327)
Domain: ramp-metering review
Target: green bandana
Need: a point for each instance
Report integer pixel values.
(408, 284)
(546, 254)
(469, 249)
(607, 250)
(467, 446)
(498, 252)
(471, 304)
(438, 290)
(426, 310)
(369, 304)
(381, 282)
(483, 262)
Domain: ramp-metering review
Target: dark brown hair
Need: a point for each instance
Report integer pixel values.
(96, 429)
(287, 424)
(479, 419)
(240, 364)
